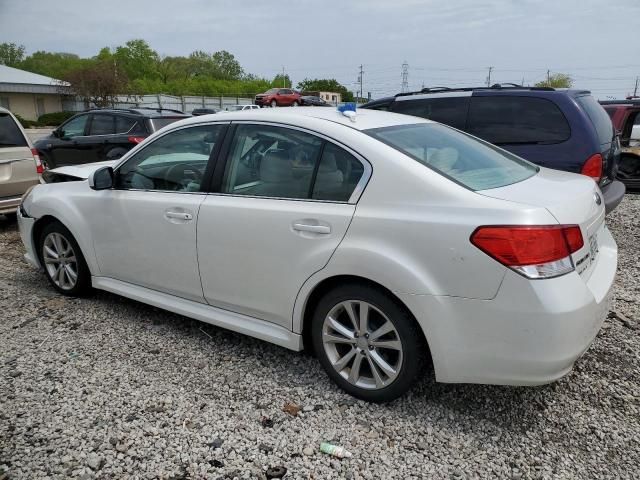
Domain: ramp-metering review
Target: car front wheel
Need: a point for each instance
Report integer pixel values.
(274, 104)
(63, 261)
(368, 344)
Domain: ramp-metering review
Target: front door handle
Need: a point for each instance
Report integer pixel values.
(178, 215)
(306, 227)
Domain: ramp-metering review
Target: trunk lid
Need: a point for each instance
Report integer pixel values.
(571, 198)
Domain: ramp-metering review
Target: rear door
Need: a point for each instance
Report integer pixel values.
(283, 202)
(101, 131)
(17, 166)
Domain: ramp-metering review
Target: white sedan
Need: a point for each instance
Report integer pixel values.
(387, 244)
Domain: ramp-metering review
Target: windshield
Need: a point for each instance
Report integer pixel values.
(600, 119)
(475, 164)
(272, 90)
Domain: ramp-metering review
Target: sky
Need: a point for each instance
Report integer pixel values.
(444, 43)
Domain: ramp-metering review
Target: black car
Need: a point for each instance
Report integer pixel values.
(561, 129)
(104, 134)
(203, 111)
(312, 100)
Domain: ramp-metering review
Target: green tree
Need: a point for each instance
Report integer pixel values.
(11, 54)
(282, 82)
(557, 80)
(99, 83)
(325, 85)
(53, 64)
(226, 66)
(137, 59)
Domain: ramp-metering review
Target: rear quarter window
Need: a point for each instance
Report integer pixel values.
(451, 111)
(517, 120)
(10, 133)
(599, 118)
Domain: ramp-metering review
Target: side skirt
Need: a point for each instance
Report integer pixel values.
(236, 322)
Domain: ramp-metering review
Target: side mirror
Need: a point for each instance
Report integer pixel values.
(101, 179)
(58, 133)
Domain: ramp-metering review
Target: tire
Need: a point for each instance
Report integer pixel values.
(47, 163)
(56, 238)
(404, 349)
(274, 104)
(295, 103)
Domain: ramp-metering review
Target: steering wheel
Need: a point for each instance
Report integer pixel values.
(175, 176)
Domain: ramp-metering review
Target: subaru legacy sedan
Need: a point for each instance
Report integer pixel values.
(387, 244)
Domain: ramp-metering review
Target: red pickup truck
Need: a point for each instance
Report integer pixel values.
(278, 97)
(625, 116)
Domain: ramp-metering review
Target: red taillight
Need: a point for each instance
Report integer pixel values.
(546, 248)
(135, 140)
(593, 167)
(36, 158)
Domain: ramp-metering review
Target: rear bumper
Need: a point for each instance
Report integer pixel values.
(613, 193)
(531, 333)
(9, 205)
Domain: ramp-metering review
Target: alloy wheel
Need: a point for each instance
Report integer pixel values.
(60, 260)
(362, 344)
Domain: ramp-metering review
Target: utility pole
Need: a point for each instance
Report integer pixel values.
(360, 79)
(635, 89)
(548, 78)
(489, 77)
(405, 77)
(284, 82)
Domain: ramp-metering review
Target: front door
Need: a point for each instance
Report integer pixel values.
(146, 233)
(71, 147)
(284, 204)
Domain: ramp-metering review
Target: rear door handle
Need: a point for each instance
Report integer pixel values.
(178, 215)
(305, 227)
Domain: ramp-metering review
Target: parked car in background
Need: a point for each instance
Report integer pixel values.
(386, 243)
(203, 111)
(278, 97)
(104, 134)
(561, 129)
(625, 115)
(239, 108)
(20, 166)
(313, 101)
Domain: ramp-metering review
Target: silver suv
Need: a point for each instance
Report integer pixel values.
(20, 166)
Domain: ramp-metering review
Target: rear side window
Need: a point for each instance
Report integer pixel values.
(599, 118)
(124, 124)
(474, 164)
(451, 111)
(517, 120)
(337, 176)
(10, 134)
(158, 123)
(102, 125)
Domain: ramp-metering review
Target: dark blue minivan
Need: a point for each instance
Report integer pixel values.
(561, 129)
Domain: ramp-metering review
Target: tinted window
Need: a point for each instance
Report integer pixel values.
(102, 125)
(271, 162)
(517, 120)
(599, 118)
(449, 110)
(124, 124)
(337, 175)
(474, 164)
(176, 161)
(75, 127)
(10, 134)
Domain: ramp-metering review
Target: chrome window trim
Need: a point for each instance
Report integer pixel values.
(357, 191)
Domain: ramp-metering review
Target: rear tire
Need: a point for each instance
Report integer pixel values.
(63, 262)
(377, 360)
(274, 104)
(295, 103)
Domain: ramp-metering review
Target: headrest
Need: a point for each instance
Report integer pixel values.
(444, 159)
(328, 163)
(276, 167)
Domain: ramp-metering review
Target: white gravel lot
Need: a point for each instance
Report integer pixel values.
(104, 388)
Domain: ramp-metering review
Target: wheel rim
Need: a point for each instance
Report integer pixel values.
(274, 104)
(295, 104)
(60, 260)
(362, 344)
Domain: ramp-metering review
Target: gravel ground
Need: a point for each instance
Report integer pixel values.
(105, 387)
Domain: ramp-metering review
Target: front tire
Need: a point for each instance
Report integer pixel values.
(274, 104)
(368, 344)
(63, 262)
(295, 103)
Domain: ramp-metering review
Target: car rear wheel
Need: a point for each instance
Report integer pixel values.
(274, 104)
(63, 261)
(295, 103)
(368, 344)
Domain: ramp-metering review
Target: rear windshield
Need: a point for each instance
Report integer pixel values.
(599, 118)
(472, 163)
(158, 123)
(10, 134)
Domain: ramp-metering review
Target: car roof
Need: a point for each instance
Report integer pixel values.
(364, 119)
(143, 111)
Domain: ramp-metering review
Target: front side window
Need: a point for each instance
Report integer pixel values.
(102, 125)
(75, 127)
(451, 111)
(474, 164)
(517, 121)
(174, 162)
(268, 161)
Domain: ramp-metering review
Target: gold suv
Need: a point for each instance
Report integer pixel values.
(20, 166)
